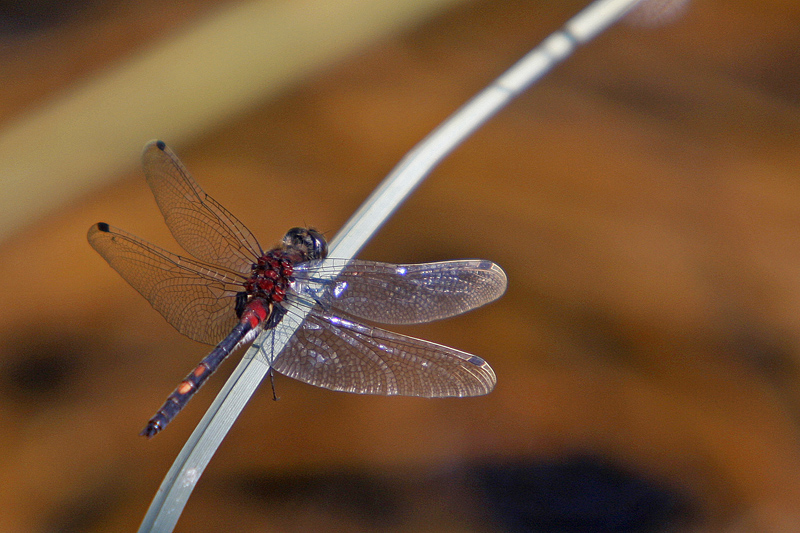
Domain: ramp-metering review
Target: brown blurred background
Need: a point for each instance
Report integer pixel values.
(644, 199)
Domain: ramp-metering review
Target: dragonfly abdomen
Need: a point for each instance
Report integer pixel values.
(255, 313)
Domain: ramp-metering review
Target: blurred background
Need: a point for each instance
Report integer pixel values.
(644, 199)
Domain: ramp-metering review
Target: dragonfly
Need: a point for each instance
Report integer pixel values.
(229, 288)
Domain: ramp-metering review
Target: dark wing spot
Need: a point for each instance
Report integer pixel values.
(102, 226)
(161, 145)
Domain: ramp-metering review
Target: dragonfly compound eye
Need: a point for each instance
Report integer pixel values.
(319, 246)
(294, 237)
(309, 242)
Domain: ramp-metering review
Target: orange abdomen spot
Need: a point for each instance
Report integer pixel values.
(185, 387)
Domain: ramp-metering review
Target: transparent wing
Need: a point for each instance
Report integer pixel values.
(401, 294)
(195, 298)
(337, 354)
(201, 226)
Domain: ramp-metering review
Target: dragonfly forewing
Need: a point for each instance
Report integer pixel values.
(202, 227)
(400, 294)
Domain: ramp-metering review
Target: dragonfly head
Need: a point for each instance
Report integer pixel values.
(308, 242)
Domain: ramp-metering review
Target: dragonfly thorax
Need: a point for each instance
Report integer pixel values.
(269, 277)
(271, 274)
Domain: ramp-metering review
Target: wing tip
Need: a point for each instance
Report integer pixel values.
(155, 146)
(100, 227)
(501, 275)
(157, 143)
(490, 378)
